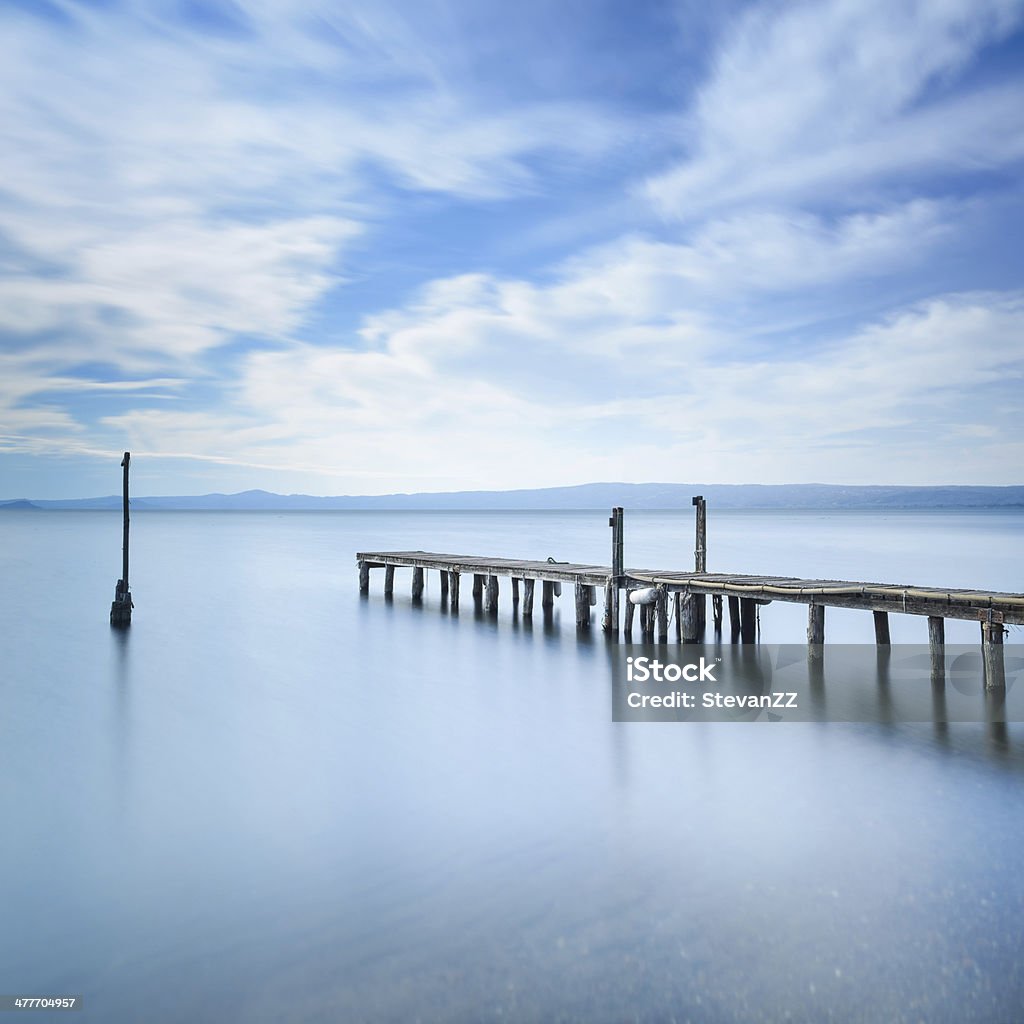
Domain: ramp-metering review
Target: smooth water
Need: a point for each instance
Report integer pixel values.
(272, 800)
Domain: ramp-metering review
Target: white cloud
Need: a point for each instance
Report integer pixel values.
(810, 99)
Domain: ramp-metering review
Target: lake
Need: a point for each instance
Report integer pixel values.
(273, 800)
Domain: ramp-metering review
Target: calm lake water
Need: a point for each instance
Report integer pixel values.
(272, 800)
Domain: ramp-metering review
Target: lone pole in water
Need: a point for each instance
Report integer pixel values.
(121, 609)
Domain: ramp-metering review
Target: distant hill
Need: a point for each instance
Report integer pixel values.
(583, 496)
(17, 504)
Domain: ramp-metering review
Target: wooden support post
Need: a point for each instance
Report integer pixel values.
(716, 609)
(547, 594)
(992, 655)
(607, 623)
(364, 577)
(678, 613)
(478, 586)
(690, 628)
(121, 607)
(627, 616)
(582, 604)
(389, 580)
(734, 619)
(662, 610)
(417, 583)
(937, 647)
(881, 628)
(444, 585)
(528, 597)
(454, 580)
(515, 590)
(748, 620)
(815, 624)
(491, 595)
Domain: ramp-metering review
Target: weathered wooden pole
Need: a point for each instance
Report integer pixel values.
(364, 577)
(121, 607)
(417, 583)
(547, 594)
(881, 628)
(528, 597)
(700, 557)
(515, 590)
(992, 654)
(815, 629)
(716, 609)
(389, 580)
(454, 579)
(627, 616)
(662, 613)
(689, 625)
(582, 604)
(748, 620)
(734, 618)
(491, 595)
(936, 647)
(478, 586)
(444, 584)
(611, 602)
(677, 606)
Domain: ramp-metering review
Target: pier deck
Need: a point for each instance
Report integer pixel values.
(948, 603)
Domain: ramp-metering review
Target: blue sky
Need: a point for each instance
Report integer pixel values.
(369, 247)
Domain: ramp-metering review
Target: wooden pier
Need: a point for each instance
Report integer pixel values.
(687, 591)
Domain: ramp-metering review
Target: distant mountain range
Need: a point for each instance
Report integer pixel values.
(583, 496)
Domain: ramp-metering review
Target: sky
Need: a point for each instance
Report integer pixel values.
(367, 247)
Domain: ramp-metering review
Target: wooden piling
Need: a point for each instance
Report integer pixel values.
(627, 615)
(417, 583)
(582, 604)
(547, 594)
(491, 595)
(748, 620)
(815, 624)
(677, 613)
(607, 623)
(734, 618)
(478, 586)
(121, 607)
(444, 585)
(454, 580)
(716, 609)
(389, 580)
(515, 591)
(700, 558)
(688, 618)
(881, 628)
(364, 577)
(936, 646)
(992, 655)
(662, 612)
(528, 596)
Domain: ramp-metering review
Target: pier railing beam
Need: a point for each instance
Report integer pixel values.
(528, 596)
(417, 583)
(881, 628)
(992, 654)
(389, 580)
(937, 647)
